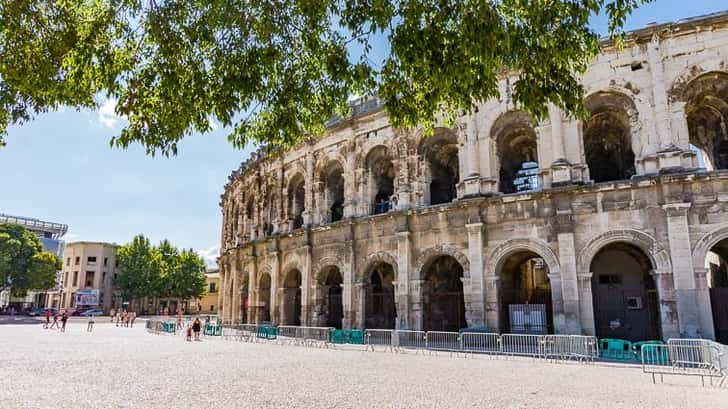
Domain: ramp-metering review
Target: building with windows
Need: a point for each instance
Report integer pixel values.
(89, 269)
(614, 226)
(208, 303)
(50, 235)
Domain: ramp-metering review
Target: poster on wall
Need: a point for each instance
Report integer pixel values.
(87, 297)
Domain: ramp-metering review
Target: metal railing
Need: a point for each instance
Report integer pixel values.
(404, 340)
(376, 338)
(687, 357)
(443, 341)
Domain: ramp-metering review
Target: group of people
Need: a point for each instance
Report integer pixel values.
(195, 327)
(63, 317)
(123, 318)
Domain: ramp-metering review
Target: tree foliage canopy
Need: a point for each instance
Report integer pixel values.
(158, 271)
(275, 70)
(24, 264)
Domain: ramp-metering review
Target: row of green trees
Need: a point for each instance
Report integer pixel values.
(24, 264)
(158, 272)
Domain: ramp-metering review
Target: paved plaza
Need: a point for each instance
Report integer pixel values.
(129, 368)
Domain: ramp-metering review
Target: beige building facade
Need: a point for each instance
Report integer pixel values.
(208, 303)
(88, 266)
(600, 226)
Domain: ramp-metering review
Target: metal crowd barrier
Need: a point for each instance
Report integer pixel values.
(403, 340)
(443, 341)
(703, 358)
(522, 345)
(379, 338)
(567, 347)
(483, 343)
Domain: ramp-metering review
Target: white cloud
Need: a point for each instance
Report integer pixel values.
(210, 255)
(107, 114)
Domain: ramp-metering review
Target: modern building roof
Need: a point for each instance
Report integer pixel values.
(56, 230)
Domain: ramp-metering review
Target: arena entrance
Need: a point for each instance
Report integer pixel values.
(626, 302)
(292, 298)
(524, 295)
(380, 310)
(443, 299)
(717, 265)
(264, 298)
(333, 296)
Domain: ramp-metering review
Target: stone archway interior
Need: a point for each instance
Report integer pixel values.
(292, 298)
(444, 301)
(249, 208)
(333, 297)
(716, 264)
(333, 182)
(625, 298)
(264, 298)
(517, 152)
(608, 136)
(524, 293)
(380, 310)
(271, 212)
(296, 200)
(706, 99)
(381, 170)
(441, 153)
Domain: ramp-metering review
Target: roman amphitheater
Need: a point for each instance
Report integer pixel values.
(614, 226)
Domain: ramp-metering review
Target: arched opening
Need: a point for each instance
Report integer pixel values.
(440, 153)
(706, 99)
(626, 302)
(517, 151)
(264, 298)
(524, 295)
(379, 302)
(292, 298)
(332, 296)
(608, 136)
(270, 213)
(296, 200)
(332, 180)
(249, 217)
(716, 264)
(443, 298)
(381, 179)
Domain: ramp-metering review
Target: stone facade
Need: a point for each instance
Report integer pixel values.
(372, 225)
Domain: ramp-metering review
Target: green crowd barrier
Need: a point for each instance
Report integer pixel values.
(617, 349)
(347, 336)
(266, 332)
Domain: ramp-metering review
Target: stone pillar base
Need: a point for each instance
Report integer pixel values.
(469, 187)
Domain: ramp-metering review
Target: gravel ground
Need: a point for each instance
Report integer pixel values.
(128, 368)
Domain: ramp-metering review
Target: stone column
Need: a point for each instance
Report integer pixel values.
(235, 310)
(360, 313)
(560, 167)
(401, 287)
(252, 302)
(416, 314)
(474, 293)
(659, 92)
(667, 300)
(557, 303)
(705, 309)
(492, 307)
(570, 321)
(683, 271)
(308, 211)
(586, 303)
(224, 273)
(275, 277)
(470, 180)
(306, 280)
(220, 293)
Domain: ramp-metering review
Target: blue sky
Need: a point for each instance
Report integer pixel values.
(60, 168)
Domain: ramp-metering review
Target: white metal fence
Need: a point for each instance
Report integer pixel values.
(690, 357)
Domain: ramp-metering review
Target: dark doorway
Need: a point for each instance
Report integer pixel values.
(264, 298)
(717, 264)
(380, 307)
(333, 182)
(381, 173)
(296, 200)
(444, 301)
(334, 299)
(524, 293)
(292, 298)
(625, 298)
(440, 152)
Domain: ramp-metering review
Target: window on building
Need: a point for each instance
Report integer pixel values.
(213, 288)
(68, 261)
(91, 260)
(106, 260)
(78, 260)
(103, 277)
(75, 278)
(90, 275)
(212, 308)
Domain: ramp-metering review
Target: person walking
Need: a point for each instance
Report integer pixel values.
(112, 314)
(132, 318)
(179, 319)
(196, 326)
(48, 318)
(55, 321)
(64, 319)
(90, 326)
